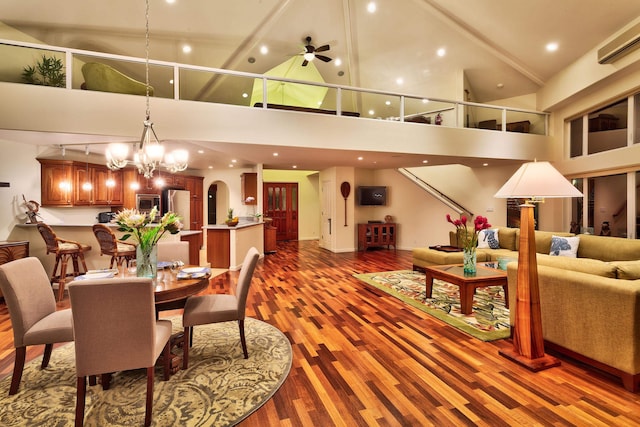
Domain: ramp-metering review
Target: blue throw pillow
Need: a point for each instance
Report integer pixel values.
(564, 246)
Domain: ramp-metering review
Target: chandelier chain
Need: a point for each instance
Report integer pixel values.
(146, 64)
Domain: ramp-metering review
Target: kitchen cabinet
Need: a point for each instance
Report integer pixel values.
(249, 188)
(106, 186)
(56, 182)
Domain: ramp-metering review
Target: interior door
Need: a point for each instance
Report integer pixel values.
(281, 204)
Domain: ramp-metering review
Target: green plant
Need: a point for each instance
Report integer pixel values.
(230, 214)
(47, 72)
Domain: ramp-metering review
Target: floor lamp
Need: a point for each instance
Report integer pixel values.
(534, 182)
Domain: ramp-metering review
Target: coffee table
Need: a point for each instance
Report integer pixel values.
(454, 274)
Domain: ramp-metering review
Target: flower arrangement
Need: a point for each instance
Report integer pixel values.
(137, 224)
(470, 236)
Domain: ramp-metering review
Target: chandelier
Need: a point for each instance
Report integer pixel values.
(149, 154)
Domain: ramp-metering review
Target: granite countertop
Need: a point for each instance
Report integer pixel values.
(242, 224)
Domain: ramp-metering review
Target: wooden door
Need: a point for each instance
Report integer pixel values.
(281, 204)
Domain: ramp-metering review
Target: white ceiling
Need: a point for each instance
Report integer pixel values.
(495, 42)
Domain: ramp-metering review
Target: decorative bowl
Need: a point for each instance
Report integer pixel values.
(232, 223)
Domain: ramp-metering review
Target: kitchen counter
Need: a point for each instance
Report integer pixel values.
(84, 233)
(227, 246)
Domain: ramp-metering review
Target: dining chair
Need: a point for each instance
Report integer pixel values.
(115, 329)
(32, 308)
(64, 250)
(173, 250)
(121, 252)
(205, 309)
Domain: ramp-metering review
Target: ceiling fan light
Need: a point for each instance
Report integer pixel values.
(309, 56)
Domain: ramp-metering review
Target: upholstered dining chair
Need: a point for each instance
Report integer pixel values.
(115, 329)
(204, 309)
(173, 250)
(121, 252)
(64, 250)
(32, 308)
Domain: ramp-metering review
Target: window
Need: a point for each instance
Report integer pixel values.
(608, 128)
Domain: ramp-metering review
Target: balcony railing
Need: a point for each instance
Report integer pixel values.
(206, 84)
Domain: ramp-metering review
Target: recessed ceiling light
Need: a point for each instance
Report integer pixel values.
(441, 52)
(294, 167)
(387, 102)
(251, 60)
(337, 62)
(399, 80)
(171, 1)
(245, 95)
(485, 164)
(340, 73)
(275, 154)
(186, 48)
(233, 160)
(200, 151)
(425, 101)
(210, 167)
(371, 7)
(500, 85)
(230, 165)
(171, 81)
(425, 161)
(264, 50)
(371, 112)
(552, 47)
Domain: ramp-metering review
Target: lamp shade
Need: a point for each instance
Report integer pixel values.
(536, 180)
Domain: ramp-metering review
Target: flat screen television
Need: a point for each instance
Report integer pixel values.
(372, 196)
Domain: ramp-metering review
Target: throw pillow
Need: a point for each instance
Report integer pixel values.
(488, 239)
(564, 246)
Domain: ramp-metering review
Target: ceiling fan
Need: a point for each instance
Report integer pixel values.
(311, 52)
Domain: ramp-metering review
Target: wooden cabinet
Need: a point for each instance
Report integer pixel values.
(249, 187)
(195, 185)
(269, 238)
(105, 186)
(56, 177)
(10, 251)
(376, 235)
(195, 243)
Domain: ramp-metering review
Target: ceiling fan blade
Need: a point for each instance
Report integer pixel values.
(323, 48)
(304, 63)
(323, 58)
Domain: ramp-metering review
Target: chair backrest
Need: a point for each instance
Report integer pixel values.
(106, 239)
(173, 250)
(28, 294)
(244, 279)
(49, 236)
(113, 324)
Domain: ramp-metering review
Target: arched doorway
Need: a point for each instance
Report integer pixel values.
(212, 197)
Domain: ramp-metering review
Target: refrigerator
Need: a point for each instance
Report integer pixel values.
(179, 201)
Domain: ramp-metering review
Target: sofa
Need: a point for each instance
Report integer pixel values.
(103, 78)
(590, 304)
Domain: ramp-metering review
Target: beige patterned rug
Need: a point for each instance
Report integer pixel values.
(220, 388)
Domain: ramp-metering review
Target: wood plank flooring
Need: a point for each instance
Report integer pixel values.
(362, 358)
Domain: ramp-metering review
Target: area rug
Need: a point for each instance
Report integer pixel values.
(220, 388)
(488, 321)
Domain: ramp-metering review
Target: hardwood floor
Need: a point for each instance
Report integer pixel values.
(364, 358)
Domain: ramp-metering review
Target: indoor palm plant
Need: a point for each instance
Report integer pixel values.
(147, 233)
(49, 71)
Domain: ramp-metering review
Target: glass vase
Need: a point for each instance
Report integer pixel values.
(147, 261)
(469, 261)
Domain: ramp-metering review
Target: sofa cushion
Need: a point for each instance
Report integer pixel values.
(627, 270)
(543, 240)
(488, 239)
(508, 238)
(423, 257)
(564, 246)
(583, 265)
(608, 248)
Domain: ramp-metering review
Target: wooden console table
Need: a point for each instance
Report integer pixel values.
(376, 235)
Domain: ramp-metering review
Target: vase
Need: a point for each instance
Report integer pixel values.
(147, 261)
(469, 261)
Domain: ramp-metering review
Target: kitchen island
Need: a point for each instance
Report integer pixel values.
(82, 233)
(227, 246)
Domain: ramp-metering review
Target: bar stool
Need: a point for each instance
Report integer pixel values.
(121, 252)
(64, 249)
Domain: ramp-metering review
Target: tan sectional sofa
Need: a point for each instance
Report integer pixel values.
(590, 304)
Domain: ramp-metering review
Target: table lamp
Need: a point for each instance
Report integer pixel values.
(534, 182)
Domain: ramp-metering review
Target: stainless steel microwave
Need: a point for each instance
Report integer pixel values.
(146, 202)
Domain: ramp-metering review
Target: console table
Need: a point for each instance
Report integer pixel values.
(376, 235)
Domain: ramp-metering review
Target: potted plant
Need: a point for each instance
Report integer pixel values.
(47, 72)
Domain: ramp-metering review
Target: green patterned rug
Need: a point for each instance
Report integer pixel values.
(220, 388)
(489, 320)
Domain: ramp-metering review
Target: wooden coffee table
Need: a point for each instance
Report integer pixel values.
(454, 274)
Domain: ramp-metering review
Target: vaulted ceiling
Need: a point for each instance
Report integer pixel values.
(499, 45)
